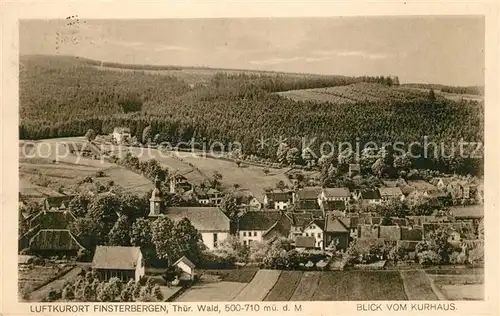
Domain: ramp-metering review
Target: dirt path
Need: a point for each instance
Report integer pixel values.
(41, 293)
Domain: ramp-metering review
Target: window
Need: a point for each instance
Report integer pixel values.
(255, 234)
(215, 240)
(307, 234)
(244, 234)
(244, 242)
(319, 235)
(249, 242)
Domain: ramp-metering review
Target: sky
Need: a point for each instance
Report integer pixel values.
(443, 50)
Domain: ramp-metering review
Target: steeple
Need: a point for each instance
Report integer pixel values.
(156, 202)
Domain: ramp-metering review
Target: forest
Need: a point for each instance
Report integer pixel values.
(62, 97)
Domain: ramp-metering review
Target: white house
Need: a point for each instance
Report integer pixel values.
(121, 135)
(211, 222)
(388, 194)
(316, 229)
(187, 267)
(257, 226)
(278, 200)
(370, 197)
(124, 263)
(334, 194)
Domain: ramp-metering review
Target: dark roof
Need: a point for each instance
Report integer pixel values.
(120, 258)
(281, 228)
(390, 232)
(409, 245)
(202, 218)
(419, 220)
(308, 193)
(370, 194)
(305, 242)
(468, 211)
(334, 225)
(259, 220)
(308, 205)
(368, 232)
(206, 193)
(330, 205)
(54, 240)
(279, 196)
(350, 221)
(301, 219)
(186, 261)
(336, 192)
(399, 221)
(335, 213)
(58, 201)
(411, 233)
(52, 219)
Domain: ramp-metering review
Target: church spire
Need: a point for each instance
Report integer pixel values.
(156, 202)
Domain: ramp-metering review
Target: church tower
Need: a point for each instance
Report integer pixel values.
(156, 202)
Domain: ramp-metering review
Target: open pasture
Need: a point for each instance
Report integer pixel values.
(460, 284)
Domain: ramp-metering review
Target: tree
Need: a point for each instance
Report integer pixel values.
(231, 250)
(281, 152)
(379, 167)
(215, 181)
(280, 185)
(292, 156)
(33, 208)
(120, 233)
(162, 237)
(229, 207)
(133, 206)
(428, 257)
(266, 171)
(157, 139)
(90, 135)
(146, 134)
(127, 293)
(141, 233)
(188, 241)
(432, 95)
(103, 209)
(236, 186)
(68, 293)
(403, 162)
(89, 228)
(79, 205)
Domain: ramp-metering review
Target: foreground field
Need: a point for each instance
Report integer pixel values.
(260, 285)
(467, 285)
(30, 278)
(417, 286)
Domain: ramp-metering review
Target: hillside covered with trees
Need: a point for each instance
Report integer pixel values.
(62, 96)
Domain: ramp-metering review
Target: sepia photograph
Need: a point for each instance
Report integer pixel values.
(252, 160)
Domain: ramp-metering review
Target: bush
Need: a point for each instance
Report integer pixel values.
(25, 251)
(83, 255)
(429, 257)
(53, 295)
(476, 255)
(100, 174)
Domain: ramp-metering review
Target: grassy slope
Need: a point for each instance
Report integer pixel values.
(285, 286)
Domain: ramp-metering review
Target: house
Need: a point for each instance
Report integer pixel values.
(370, 197)
(389, 194)
(278, 200)
(299, 221)
(336, 233)
(254, 204)
(410, 233)
(335, 194)
(179, 184)
(51, 220)
(50, 242)
(256, 226)
(211, 222)
(305, 243)
(351, 222)
(121, 135)
(208, 196)
(316, 229)
(187, 267)
(125, 263)
(354, 169)
(333, 207)
(54, 203)
(443, 182)
(467, 212)
(307, 198)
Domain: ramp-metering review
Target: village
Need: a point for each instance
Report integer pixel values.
(304, 224)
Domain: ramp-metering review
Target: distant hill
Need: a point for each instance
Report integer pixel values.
(65, 96)
(473, 90)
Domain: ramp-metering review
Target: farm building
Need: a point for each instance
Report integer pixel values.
(255, 226)
(369, 197)
(335, 194)
(211, 222)
(179, 184)
(121, 135)
(208, 196)
(304, 243)
(333, 206)
(278, 200)
(53, 203)
(52, 220)
(125, 263)
(187, 267)
(336, 233)
(307, 198)
(49, 242)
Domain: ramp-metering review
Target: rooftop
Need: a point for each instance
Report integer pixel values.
(259, 220)
(114, 257)
(335, 225)
(54, 240)
(202, 218)
(308, 193)
(305, 242)
(390, 192)
(336, 192)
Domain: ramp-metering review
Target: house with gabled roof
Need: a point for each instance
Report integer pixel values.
(211, 222)
(257, 226)
(305, 243)
(48, 242)
(307, 198)
(187, 267)
(208, 196)
(278, 200)
(125, 263)
(388, 194)
(316, 229)
(370, 197)
(54, 203)
(336, 234)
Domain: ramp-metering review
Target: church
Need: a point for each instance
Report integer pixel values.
(211, 222)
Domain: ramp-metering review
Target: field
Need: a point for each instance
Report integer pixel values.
(360, 285)
(274, 285)
(31, 277)
(459, 284)
(40, 175)
(417, 286)
(358, 92)
(260, 285)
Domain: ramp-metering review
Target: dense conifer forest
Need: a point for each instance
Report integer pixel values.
(63, 96)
